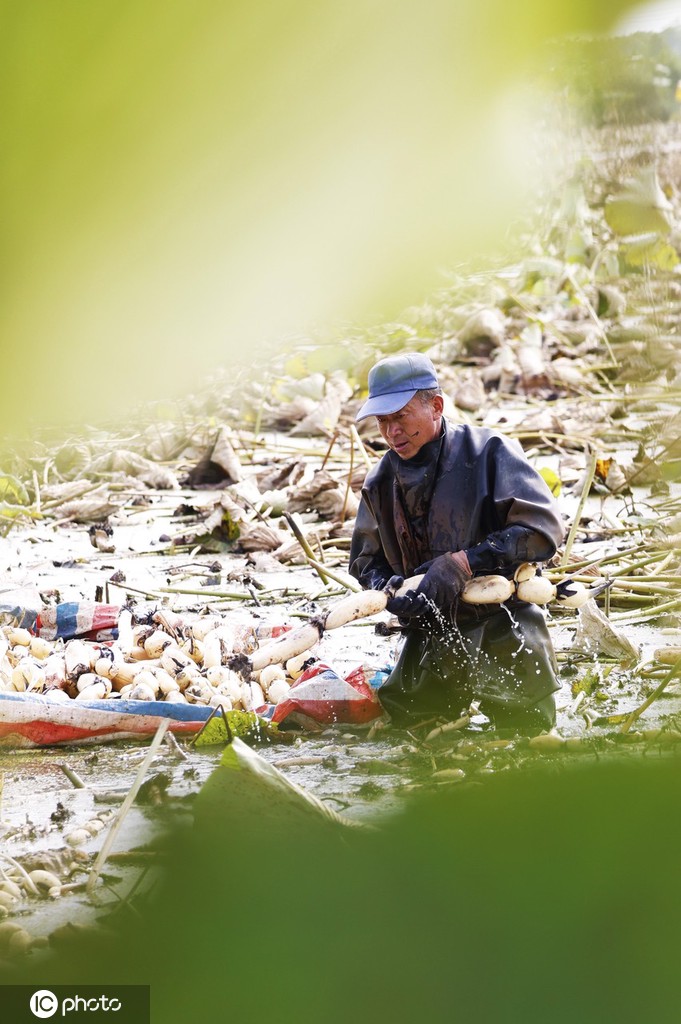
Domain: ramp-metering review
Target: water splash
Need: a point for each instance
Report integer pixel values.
(498, 678)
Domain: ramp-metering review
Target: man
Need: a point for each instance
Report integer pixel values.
(453, 502)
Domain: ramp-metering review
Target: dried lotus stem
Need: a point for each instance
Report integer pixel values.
(588, 480)
(25, 877)
(657, 692)
(307, 550)
(126, 805)
(345, 581)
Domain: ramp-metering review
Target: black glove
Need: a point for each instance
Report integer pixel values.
(441, 586)
(402, 606)
(511, 546)
(407, 606)
(392, 586)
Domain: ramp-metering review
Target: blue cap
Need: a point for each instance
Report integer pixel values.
(394, 381)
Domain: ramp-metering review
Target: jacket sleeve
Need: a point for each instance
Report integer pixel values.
(531, 527)
(507, 547)
(368, 563)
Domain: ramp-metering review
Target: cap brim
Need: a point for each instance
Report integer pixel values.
(384, 405)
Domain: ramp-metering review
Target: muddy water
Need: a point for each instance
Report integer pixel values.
(365, 773)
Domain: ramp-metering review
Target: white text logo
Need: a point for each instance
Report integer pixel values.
(44, 1003)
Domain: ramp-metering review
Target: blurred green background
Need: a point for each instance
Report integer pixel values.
(184, 184)
(545, 897)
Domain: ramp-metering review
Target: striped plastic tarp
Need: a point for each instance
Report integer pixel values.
(34, 720)
(326, 697)
(86, 619)
(320, 695)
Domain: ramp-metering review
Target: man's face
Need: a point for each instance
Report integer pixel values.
(417, 423)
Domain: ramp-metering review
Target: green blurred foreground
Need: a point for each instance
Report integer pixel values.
(534, 898)
(182, 183)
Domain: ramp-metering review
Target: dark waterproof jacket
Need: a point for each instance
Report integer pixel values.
(483, 484)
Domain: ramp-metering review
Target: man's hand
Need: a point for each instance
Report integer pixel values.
(394, 604)
(441, 586)
(445, 580)
(393, 585)
(407, 606)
